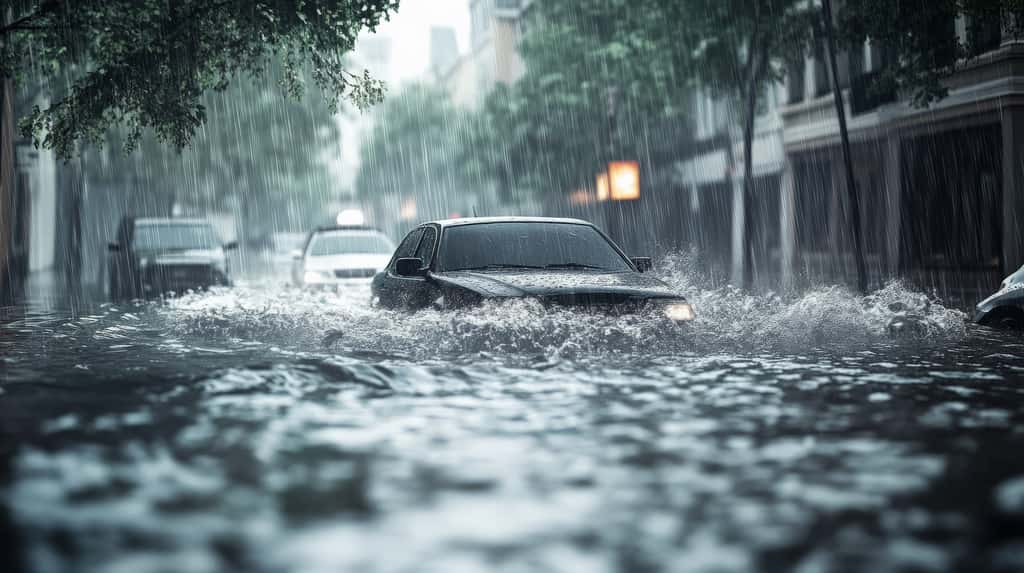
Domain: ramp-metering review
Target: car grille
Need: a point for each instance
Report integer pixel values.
(603, 302)
(169, 277)
(354, 273)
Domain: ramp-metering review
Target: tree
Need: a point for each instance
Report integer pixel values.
(741, 47)
(418, 147)
(146, 64)
(258, 147)
(920, 40)
(603, 78)
(851, 181)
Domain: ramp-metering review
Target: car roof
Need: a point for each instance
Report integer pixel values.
(356, 228)
(168, 221)
(481, 220)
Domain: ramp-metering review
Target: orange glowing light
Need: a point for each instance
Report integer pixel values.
(625, 177)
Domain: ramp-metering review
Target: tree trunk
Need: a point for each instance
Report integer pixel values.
(7, 282)
(748, 181)
(851, 183)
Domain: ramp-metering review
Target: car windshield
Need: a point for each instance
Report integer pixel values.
(486, 246)
(325, 244)
(175, 236)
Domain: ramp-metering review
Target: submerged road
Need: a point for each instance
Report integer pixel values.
(268, 429)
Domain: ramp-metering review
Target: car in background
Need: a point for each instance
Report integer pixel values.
(341, 256)
(1005, 307)
(561, 262)
(155, 256)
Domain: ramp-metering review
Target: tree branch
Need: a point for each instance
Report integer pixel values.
(22, 23)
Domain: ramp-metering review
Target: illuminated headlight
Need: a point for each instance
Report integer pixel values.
(317, 276)
(679, 311)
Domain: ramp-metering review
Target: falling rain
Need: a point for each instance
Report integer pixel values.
(511, 285)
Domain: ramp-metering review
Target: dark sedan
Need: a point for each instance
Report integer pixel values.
(154, 256)
(564, 262)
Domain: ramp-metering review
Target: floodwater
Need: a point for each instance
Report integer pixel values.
(268, 429)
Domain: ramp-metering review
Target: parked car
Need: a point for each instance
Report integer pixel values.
(1005, 308)
(341, 256)
(565, 262)
(153, 256)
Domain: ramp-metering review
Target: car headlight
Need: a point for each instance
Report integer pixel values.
(316, 276)
(679, 311)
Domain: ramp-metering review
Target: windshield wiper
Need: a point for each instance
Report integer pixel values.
(573, 266)
(492, 267)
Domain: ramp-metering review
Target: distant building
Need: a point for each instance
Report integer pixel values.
(493, 56)
(444, 49)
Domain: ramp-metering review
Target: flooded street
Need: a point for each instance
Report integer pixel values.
(265, 428)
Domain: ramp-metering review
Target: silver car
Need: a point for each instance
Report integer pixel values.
(341, 256)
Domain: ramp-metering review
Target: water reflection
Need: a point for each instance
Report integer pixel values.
(269, 429)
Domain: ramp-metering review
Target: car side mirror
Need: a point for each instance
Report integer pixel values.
(410, 267)
(643, 264)
(113, 247)
(230, 245)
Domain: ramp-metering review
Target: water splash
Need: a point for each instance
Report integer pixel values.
(728, 319)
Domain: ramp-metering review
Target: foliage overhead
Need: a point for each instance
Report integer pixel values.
(147, 63)
(921, 39)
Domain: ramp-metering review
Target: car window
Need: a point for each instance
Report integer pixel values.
(407, 248)
(528, 244)
(349, 243)
(426, 249)
(174, 236)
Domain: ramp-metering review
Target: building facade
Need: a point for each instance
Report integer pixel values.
(939, 189)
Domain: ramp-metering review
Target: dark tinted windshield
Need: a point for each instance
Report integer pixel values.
(525, 244)
(350, 244)
(175, 236)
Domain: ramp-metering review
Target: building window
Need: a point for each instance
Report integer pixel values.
(822, 83)
(984, 33)
(795, 84)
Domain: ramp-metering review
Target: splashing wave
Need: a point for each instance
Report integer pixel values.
(728, 319)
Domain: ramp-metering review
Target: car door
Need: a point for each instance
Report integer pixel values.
(388, 287)
(421, 290)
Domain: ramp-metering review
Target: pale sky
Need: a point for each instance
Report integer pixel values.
(409, 30)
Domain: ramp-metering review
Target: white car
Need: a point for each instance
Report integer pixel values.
(341, 256)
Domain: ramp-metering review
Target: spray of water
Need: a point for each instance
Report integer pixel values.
(728, 319)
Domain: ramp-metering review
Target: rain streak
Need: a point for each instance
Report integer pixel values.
(511, 285)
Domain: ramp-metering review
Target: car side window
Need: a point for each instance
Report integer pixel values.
(407, 248)
(426, 249)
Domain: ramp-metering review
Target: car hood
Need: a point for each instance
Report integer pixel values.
(560, 282)
(354, 261)
(1011, 291)
(184, 257)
